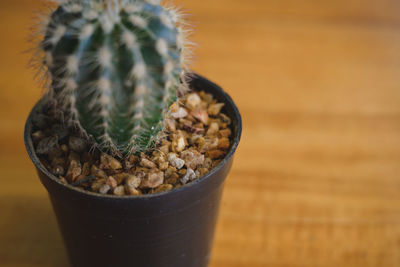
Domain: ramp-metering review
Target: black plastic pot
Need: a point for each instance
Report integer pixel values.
(171, 229)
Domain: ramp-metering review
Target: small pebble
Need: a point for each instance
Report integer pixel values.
(175, 161)
(108, 162)
(153, 179)
(201, 115)
(97, 184)
(95, 171)
(225, 132)
(223, 143)
(119, 190)
(192, 158)
(133, 181)
(213, 129)
(163, 188)
(104, 189)
(111, 182)
(181, 113)
(132, 191)
(178, 144)
(215, 109)
(193, 100)
(215, 154)
(121, 177)
(74, 170)
(164, 149)
(147, 163)
(171, 125)
(189, 176)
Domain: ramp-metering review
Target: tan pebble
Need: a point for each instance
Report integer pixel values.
(130, 161)
(147, 163)
(108, 162)
(192, 100)
(95, 171)
(225, 132)
(169, 171)
(178, 144)
(111, 182)
(207, 163)
(173, 178)
(164, 149)
(215, 109)
(224, 143)
(133, 181)
(132, 191)
(203, 171)
(181, 113)
(174, 107)
(104, 189)
(212, 143)
(119, 190)
(213, 129)
(192, 129)
(121, 177)
(206, 97)
(171, 125)
(192, 158)
(205, 144)
(215, 154)
(189, 176)
(96, 185)
(153, 179)
(115, 164)
(223, 125)
(74, 170)
(175, 161)
(201, 115)
(163, 166)
(86, 169)
(193, 138)
(163, 188)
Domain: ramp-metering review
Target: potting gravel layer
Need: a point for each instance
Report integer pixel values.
(197, 137)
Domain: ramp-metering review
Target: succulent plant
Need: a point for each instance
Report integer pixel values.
(115, 68)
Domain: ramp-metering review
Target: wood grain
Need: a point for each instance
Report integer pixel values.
(316, 181)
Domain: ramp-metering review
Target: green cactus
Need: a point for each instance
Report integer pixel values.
(115, 67)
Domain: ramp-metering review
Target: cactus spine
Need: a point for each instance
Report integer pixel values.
(115, 66)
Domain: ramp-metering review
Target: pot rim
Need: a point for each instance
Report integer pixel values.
(236, 139)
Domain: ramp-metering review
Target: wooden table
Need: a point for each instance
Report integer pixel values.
(316, 180)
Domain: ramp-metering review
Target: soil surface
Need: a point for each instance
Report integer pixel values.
(196, 138)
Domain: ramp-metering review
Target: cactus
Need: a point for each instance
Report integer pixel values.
(116, 66)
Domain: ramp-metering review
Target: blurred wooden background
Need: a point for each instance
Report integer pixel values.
(316, 180)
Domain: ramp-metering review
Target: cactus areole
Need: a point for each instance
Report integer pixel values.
(115, 66)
